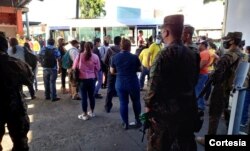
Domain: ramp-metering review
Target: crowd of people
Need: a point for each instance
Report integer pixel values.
(176, 69)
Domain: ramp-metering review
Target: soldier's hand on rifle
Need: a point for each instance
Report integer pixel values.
(147, 109)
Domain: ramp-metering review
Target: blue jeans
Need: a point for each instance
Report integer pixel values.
(144, 72)
(49, 78)
(201, 82)
(87, 88)
(245, 108)
(125, 87)
(99, 82)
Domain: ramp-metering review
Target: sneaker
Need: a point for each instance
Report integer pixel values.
(83, 117)
(64, 91)
(33, 97)
(243, 125)
(124, 126)
(76, 98)
(135, 125)
(55, 99)
(91, 114)
(200, 140)
(98, 96)
(47, 98)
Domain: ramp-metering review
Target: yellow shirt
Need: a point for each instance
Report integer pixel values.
(36, 46)
(21, 42)
(154, 50)
(212, 57)
(144, 57)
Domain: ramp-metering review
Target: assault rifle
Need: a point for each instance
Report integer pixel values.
(144, 118)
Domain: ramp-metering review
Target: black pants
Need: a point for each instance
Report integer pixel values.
(110, 92)
(31, 90)
(105, 74)
(63, 77)
(18, 126)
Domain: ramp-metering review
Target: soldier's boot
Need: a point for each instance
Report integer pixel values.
(213, 125)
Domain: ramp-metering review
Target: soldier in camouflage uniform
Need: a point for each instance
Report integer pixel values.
(223, 77)
(14, 73)
(171, 96)
(187, 37)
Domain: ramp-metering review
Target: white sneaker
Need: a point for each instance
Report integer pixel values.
(91, 114)
(83, 117)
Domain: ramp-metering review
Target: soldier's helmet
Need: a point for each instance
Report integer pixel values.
(233, 35)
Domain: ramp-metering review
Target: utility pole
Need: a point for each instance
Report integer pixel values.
(77, 9)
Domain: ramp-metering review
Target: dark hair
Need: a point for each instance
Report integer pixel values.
(3, 43)
(176, 30)
(51, 41)
(73, 42)
(27, 45)
(212, 45)
(126, 44)
(140, 31)
(97, 40)
(248, 49)
(117, 40)
(106, 43)
(88, 50)
(82, 43)
(13, 44)
(60, 41)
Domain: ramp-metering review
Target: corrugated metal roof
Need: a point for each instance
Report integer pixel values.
(14, 3)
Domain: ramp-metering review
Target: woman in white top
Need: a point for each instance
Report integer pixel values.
(15, 50)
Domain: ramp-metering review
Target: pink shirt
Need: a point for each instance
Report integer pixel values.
(88, 69)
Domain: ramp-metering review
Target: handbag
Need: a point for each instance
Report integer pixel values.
(76, 71)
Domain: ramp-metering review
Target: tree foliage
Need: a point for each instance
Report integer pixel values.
(92, 8)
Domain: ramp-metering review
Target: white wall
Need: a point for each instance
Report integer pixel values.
(238, 18)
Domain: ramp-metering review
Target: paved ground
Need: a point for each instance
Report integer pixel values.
(55, 127)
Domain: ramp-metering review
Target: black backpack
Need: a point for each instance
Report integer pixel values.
(30, 58)
(48, 59)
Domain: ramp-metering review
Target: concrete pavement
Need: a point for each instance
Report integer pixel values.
(55, 126)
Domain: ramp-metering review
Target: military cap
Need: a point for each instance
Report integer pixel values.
(233, 35)
(174, 20)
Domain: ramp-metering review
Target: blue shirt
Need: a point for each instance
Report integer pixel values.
(56, 53)
(125, 64)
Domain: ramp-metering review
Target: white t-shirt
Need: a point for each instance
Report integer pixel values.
(19, 53)
(73, 53)
(103, 50)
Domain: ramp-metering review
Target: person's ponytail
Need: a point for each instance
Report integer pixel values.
(13, 44)
(88, 50)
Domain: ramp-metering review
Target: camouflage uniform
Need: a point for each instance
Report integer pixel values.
(171, 98)
(223, 80)
(223, 77)
(12, 109)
